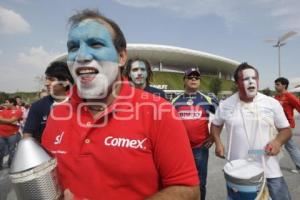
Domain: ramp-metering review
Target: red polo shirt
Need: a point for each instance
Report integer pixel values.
(133, 150)
(289, 102)
(7, 130)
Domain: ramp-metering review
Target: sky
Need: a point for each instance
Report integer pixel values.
(32, 32)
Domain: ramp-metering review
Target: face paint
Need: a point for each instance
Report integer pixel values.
(138, 73)
(248, 84)
(95, 78)
(92, 59)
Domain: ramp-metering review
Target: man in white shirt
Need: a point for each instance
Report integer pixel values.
(250, 118)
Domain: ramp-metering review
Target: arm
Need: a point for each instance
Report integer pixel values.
(32, 122)
(284, 131)
(177, 193)
(294, 101)
(215, 132)
(273, 147)
(9, 121)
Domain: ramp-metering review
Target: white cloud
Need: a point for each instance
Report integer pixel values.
(12, 23)
(284, 14)
(1, 52)
(37, 56)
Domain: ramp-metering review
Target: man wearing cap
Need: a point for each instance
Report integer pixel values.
(139, 73)
(194, 108)
(57, 82)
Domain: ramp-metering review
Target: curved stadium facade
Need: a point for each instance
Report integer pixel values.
(169, 63)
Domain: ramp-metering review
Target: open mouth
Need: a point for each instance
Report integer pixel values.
(86, 74)
(252, 88)
(140, 78)
(86, 71)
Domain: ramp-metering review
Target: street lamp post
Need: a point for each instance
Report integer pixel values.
(280, 43)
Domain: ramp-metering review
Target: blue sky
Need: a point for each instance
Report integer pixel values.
(33, 32)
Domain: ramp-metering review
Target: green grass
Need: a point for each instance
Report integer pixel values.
(175, 82)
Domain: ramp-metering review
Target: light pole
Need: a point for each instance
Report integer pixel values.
(280, 43)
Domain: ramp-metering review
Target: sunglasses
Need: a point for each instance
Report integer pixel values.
(193, 77)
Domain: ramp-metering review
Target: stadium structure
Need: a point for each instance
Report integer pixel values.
(170, 62)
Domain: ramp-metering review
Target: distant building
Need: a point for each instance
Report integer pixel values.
(294, 85)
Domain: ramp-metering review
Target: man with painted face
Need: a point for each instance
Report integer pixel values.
(109, 142)
(139, 73)
(289, 103)
(250, 118)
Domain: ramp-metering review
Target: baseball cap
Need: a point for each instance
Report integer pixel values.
(192, 70)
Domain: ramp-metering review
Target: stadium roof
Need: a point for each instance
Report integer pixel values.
(178, 59)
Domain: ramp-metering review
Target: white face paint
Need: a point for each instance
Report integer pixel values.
(250, 82)
(138, 73)
(93, 79)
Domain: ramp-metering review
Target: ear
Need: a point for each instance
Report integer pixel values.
(122, 57)
(66, 83)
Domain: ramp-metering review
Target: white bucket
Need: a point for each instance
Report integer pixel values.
(244, 179)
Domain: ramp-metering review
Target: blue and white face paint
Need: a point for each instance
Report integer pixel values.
(92, 59)
(138, 73)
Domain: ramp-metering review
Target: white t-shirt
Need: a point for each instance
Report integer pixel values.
(252, 127)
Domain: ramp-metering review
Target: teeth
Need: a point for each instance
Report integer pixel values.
(86, 71)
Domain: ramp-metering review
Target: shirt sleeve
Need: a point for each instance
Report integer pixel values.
(217, 119)
(172, 151)
(32, 121)
(294, 101)
(280, 119)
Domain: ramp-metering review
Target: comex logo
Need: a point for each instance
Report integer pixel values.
(124, 142)
(58, 138)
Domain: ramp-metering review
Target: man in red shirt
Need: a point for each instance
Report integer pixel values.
(109, 141)
(289, 102)
(194, 109)
(9, 117)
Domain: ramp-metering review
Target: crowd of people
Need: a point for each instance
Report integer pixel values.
(125, 140)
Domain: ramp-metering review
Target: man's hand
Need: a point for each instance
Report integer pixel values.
(208, 142)
(68, 195)
(220, 150)
(272, 148)
(177, 193)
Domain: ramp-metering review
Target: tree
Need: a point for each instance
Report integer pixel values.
(267, 91)
(3, 97)
(40, 81)
(215, 85)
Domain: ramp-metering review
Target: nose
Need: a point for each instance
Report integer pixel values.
(47, 82)
(140, 72)
(83, 54)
